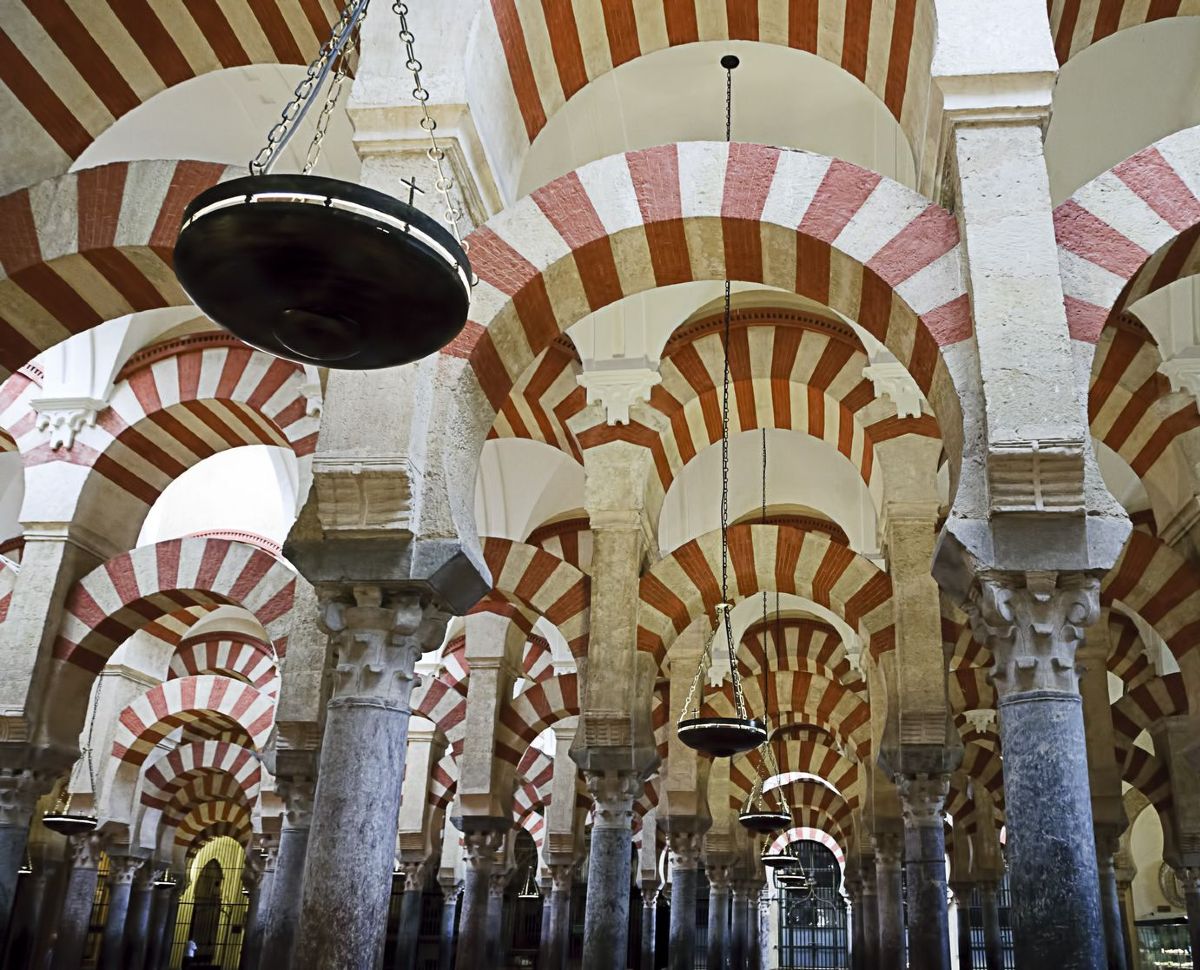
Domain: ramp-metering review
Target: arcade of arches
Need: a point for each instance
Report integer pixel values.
(382, 669)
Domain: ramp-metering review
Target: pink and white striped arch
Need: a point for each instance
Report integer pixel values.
(808, 834)
(165, 776)
(234, 655)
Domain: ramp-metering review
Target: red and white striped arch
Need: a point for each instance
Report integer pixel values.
(542, 400)
(1144, 706)
(865, 246)
(1130, 231)
(211, 820)
(203, 786)
(191, 399)
(796, 755)
(178, 703)
(233, 655)
(126, 593)
(801, 644)
(17, 418)
(91, 246)
(165, 776)
(1154, 581)
(1127, 657)
(75, 68)
(545, 584)
(686, 583)
(983, 764)
(568, 539)
(531, 712)
(531, 58)
(810, 833)
(1077, 24)
(970, 689)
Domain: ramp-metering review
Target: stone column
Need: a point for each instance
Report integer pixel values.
(378, 635)
(739, 925)
(137, 923)
(1108, 841)
(283, 912)
(649, 927)
(606, 916)
(685, 866)
(922, 800)
(1190, 877)
(258, 876)
(76, 912)
(556, 937)
(962, 896)
(1126, 871)
(19, 793)
(479, 850)
(449, 919)
(1033, 623)
(718, 917)
(409, 931)
(38, 909)
(870, 914)
(121, 872)
(854, 889)
(993, 942)
(497, 898)
(888, 853)
(766, 940)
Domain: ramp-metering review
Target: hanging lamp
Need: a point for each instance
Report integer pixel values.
(60, 818)
(323, 271)
(722, 737)
(777, 860)
(757, 814)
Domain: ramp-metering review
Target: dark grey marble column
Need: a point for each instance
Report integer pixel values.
(377, 637)
(962, 896)
(259, 879)
(870, 915)
(739, 925)
(685, 874)
(137, 923)
(1033, 623)
(610, 862)
(408, 934)
(854, 891)
(449, 920)
(888, 853)
(993, 943)
(649, 927)
(765, 937)
(496, 905)
(718, 916)
(159, 901)
(922, 801)
(1190, 877)
(77, 902)
(121, 871)
(283, 914)
(479, 850)
(556, 935)
(19, 792)
(1107, 842)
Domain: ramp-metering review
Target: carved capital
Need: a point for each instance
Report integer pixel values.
(618, 388)
(685, 849)
(122, 869)
(20, 790)
(378, 636)
(982, 720)
(613, 792)
(414, 876)
(719, 877)
(1033, 622)
(892, 380)
(297, 795)
(561, 877)
(479, 848)
(498, 883)
(85, 850)
(889, 850)
(1189, 879)
(922, 798)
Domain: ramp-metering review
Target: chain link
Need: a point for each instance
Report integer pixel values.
(435, 152)
(294, 111)
(331, 100)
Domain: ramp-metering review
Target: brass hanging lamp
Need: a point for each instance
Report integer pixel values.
(323, 271)
(61, 818)
(722, 737)
(758, 814)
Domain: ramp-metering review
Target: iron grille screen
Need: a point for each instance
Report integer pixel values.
(812, 924)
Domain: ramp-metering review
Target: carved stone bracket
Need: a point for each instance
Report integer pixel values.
(62, 419)
(1033, 623)
(618, 389)
(922, 798)
(893, 381)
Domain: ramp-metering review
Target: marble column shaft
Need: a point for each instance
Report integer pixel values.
(38, 909)
(77, 902)
(993, 942)
(408, 933)
(922, 800)
(558, 928)
(854, 889)
(649, 930)
(888, 888)
(19, 792)
(121, 873)
(610, 862)
(870, 915)
(718, 917)
(378, 638)
(685, 875)
(1033, 623)
(449, 919)
(496, 943)
(283, 913)
(1110, 898)
(739, 926)
(479, 849)
(962, 896)
(137, 923)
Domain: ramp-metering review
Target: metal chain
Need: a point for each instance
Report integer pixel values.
(435, 152)
(87, 750)
(295, 110)
(331, 100)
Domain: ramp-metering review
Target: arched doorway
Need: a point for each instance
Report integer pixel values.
(812, 911)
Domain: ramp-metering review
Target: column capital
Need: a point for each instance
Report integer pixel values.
(297, 795)
(123, 868)
(85, 850)
(414, 875)
(1189, 878)
(20, 789)
(562, 875)
(922, 798)
(889, 849)
(1033, 622)
(480, 847)
(614, 793)
(379, 634)
(685, 849)
(498, 883)
(720, 876)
